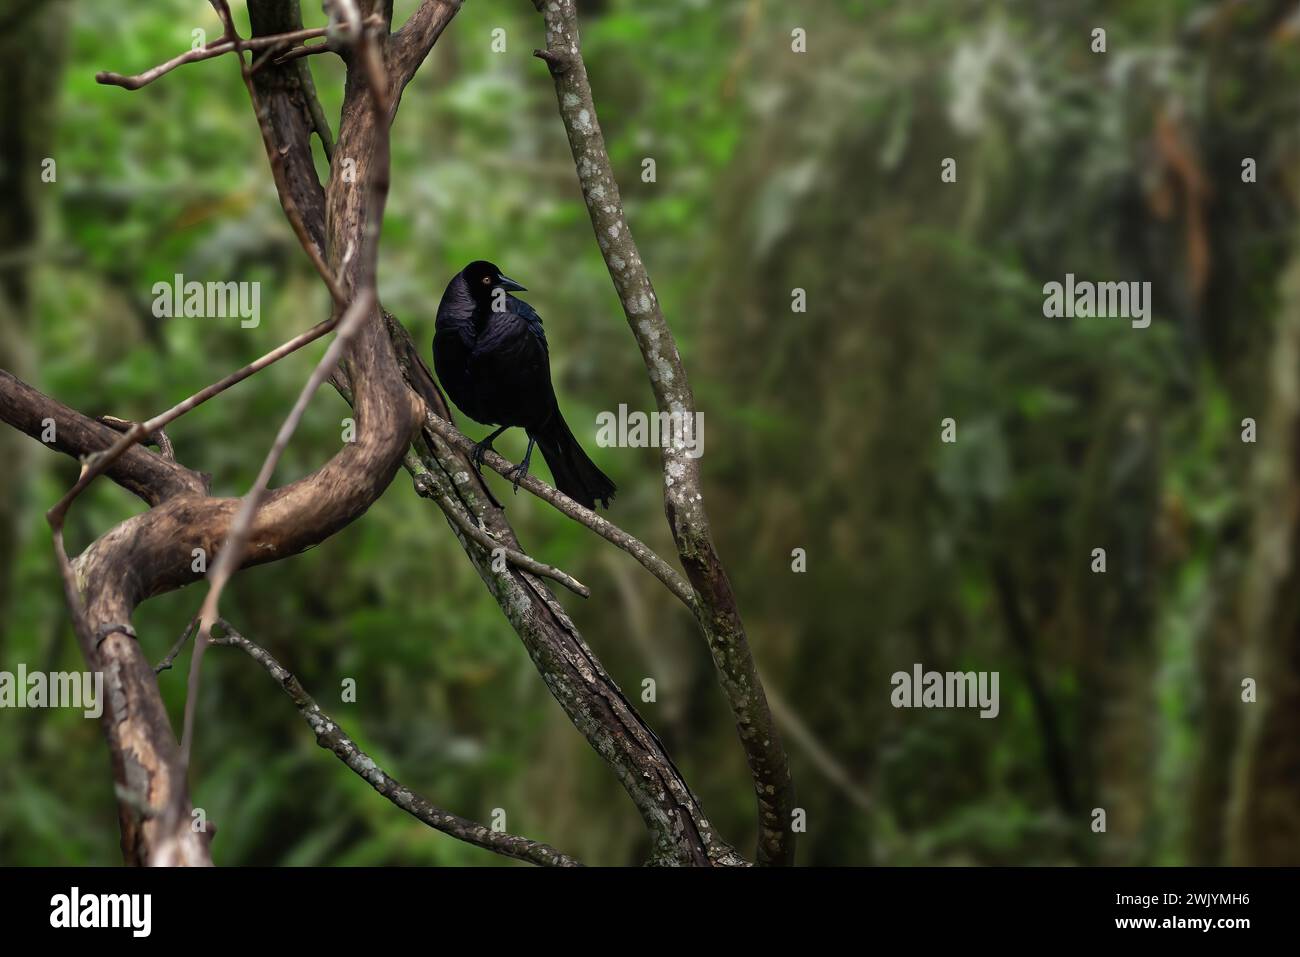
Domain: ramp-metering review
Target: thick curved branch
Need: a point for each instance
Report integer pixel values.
(157, 551)
(717, 610)
(333, 738)
(141, 745)
(139, 471)
(362, 310)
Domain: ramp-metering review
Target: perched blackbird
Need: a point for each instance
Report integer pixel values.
(490, 353)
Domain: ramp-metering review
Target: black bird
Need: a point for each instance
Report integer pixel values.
(490, 352)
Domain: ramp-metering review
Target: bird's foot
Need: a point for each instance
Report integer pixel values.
(480, 449)
(516, 475)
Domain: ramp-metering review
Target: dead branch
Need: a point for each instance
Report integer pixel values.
(204, 53)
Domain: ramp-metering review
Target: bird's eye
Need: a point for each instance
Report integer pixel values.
(487, 280)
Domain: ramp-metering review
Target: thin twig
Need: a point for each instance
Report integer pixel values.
(584, 516)
(295, 53)
(333, 738)
(158, 438)
(100, 461)
(166, 663)
(204, 53)
(232, 551)
(426, 487)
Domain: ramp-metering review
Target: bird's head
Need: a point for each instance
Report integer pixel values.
(483, 277)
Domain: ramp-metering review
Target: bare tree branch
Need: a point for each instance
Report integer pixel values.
(142, 473)
(363, 34)
(412, 43)
(100, 460)
(286, 102)
(716, 608)
(155, 552)
(567, 506)
(204, 53)
(333, 738)
(428, 489)
(304, 170)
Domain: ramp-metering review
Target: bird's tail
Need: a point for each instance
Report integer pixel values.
(575, 474)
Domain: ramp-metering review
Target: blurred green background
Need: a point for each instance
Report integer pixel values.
(776, 170)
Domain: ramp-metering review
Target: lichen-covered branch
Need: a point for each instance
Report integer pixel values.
(716, 610)
(466, 528)
(567, 506)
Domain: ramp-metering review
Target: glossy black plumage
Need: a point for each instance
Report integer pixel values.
(491, 355)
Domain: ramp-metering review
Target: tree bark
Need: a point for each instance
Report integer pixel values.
(1265, 816)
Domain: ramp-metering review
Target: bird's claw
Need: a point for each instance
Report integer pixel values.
(516, 475)
(478, 452)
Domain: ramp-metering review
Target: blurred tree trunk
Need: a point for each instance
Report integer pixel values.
(1251, 115)
(1116, 611)
(1265, 816)
(31, 47)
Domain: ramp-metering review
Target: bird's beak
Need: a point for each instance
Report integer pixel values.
(509, 285)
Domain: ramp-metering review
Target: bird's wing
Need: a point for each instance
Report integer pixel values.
(512, 336)
(511, 369)
(530, 316)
